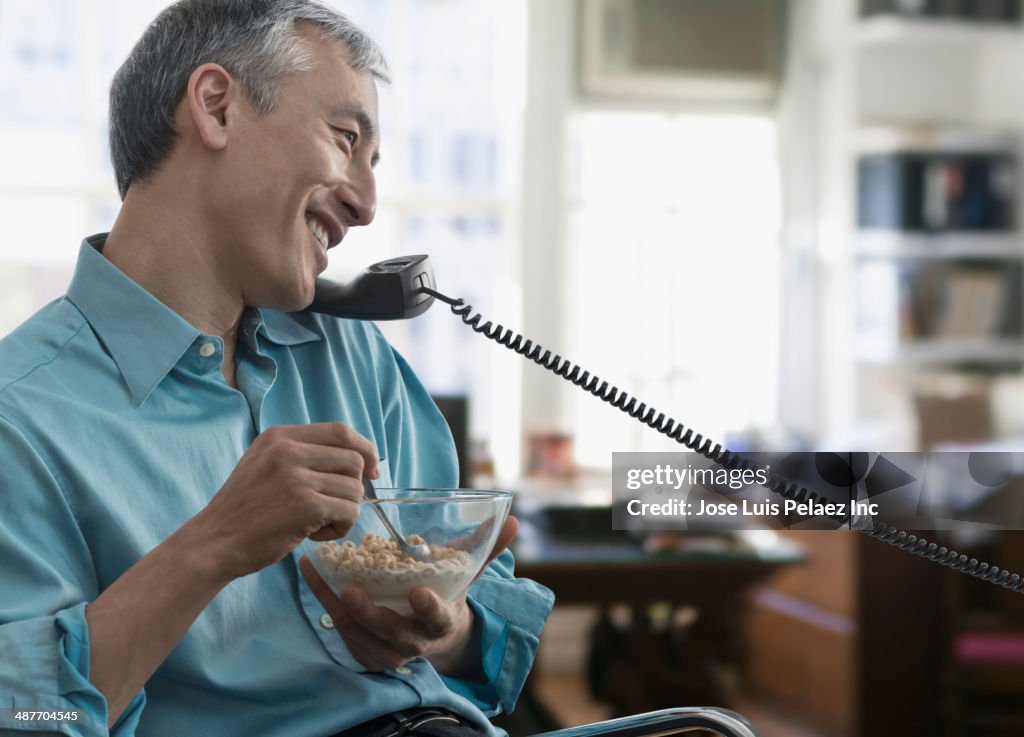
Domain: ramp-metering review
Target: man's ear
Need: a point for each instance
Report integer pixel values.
(211, 93)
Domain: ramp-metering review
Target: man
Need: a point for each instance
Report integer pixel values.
(170, 433)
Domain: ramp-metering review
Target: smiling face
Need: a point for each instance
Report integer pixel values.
(288, 185)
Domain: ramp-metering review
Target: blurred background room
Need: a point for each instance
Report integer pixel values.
(792, 224)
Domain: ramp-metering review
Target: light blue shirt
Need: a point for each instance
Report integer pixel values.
(117, 426)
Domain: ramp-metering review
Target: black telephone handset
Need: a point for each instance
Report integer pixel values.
(404, 287)
(388, 290)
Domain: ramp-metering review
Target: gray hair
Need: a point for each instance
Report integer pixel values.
(257, 41)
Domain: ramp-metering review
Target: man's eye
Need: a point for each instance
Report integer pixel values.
(348, 135)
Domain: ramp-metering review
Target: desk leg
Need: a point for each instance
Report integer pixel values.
(657, 663)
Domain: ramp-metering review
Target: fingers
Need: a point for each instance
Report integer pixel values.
(337, 515)
(508, 533)
(385, 636)
(372, 652)
(335, 501)
(472, 540)
(332, 436)
(345, 621)
(380, 638)
(502, 541)
(319, 458)
(310, 476)
(328, 459)
(405, 633)
(437, 616)
(348, 488)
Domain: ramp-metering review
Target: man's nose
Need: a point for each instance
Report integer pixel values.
(358, 195)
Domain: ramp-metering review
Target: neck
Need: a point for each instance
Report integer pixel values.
(177, 265)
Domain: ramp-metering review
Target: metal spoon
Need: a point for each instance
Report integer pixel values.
(416, 551)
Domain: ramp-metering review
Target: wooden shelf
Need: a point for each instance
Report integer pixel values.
(875, 137)
(964, 245)
(950, 352)
(947, 33)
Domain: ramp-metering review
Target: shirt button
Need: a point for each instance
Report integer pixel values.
(326, 622)
(403, 671)
(207, 349)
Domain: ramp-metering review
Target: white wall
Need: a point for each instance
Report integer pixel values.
(543, 259)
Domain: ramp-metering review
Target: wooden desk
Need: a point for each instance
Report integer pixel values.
(607, 573)
(641, 669)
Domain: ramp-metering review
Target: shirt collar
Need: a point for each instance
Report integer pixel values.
(143, 336)
(285, 328)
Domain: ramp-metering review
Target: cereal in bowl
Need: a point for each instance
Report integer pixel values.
(378, 566)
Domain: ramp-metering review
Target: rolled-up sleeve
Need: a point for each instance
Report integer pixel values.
(512, 612)
(46, 579)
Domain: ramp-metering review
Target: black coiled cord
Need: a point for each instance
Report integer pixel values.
(714, 451)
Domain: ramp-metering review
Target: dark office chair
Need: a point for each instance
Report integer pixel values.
(665, 723)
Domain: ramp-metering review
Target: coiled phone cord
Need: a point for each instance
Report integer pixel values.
(714, 451)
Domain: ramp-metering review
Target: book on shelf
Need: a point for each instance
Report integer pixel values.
(975, 304)
(905, 303)
(993, 11)
(936, 192)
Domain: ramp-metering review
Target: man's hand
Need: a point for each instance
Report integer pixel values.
(294, 482)
(381, 639)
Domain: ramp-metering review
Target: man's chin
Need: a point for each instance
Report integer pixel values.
(295, 300)
(299, 304)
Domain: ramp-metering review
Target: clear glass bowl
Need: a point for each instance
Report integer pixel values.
(460, 526)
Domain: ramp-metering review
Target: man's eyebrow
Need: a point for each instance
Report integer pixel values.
(356, 111)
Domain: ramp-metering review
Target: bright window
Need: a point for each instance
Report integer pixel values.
(673, 251)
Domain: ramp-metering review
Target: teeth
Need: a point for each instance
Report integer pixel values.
(317, 229)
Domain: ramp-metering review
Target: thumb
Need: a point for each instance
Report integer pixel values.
(508, 533)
